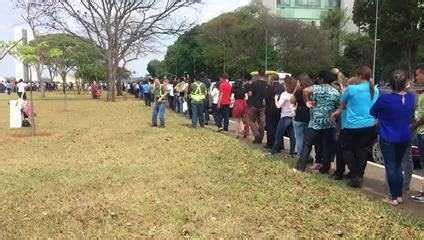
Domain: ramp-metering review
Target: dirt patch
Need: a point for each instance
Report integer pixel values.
(29, 134)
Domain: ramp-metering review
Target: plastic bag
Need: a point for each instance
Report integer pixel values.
(185, 107)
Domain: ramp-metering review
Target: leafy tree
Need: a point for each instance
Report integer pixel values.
(155, 68)
(234, 42)
(358, 51)
(400, 29)
(334, 22)
(303, 47)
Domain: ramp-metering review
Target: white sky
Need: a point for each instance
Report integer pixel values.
(209, 9)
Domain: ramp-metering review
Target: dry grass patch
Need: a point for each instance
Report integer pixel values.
(103, 172)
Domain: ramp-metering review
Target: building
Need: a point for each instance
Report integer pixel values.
(309, 10)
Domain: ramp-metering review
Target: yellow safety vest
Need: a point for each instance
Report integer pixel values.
(198, 96)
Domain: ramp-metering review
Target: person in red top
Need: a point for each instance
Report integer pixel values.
(224, 102)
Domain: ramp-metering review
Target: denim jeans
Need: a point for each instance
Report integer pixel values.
(420, 143)
(224, 116)
(147, 99)
(206, 110)
(197, 114)
(285, 124)
(215, 113)
(407, 169)
(158, 111)
(299, 129)
(312, 136)
(393, 154)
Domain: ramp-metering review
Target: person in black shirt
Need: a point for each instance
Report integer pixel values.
(272, 113)
(301, 119)
(256, 106)
(205, 80)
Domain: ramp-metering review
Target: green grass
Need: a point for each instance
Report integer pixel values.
(101, 171)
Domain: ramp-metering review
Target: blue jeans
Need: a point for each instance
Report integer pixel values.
(206, 110)
(407, 169)
(197, 114)
(420, 143)
(285, 124)
(223, 116)
(158, 110)
(299, 129)
(393, 154)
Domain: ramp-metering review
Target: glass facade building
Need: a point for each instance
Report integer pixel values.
(305, 10)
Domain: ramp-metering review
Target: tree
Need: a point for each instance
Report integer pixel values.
(155, 68)
(358, 51)
(119, 27)
(61, 53)
(33, 13)
(234, 42)
(299, 52)
(6, 48)
(28, 55)
(400, 27)
(334, 22)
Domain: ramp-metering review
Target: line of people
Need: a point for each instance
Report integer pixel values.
(339, 119)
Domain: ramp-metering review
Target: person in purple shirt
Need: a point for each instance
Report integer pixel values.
(394, 111)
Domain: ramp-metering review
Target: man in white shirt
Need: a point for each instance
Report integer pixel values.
(170, 89)
(21, 86)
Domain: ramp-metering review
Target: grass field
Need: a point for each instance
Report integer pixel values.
(99, 171)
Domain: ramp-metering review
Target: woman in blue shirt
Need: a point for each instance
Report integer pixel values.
(394, 112)
(359, 133)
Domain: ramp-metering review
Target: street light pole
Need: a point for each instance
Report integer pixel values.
(266, 48)
(375, 40)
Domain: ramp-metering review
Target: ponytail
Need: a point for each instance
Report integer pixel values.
(365, 74)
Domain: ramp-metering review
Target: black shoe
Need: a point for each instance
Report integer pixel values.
(355, 183)
(154, 124)
(336, 177)
(348, 175)
(162, 126)
(256, 141)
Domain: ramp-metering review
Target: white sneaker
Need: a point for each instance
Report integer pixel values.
(418, 198)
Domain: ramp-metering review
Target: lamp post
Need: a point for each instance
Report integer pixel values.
(375, 40)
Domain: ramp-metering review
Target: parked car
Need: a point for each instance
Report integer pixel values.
(377, 156)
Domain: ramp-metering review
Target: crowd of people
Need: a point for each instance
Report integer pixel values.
(338, 119)
(11, 86)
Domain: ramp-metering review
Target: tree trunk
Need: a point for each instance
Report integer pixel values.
(31, 99)
(40, 80)
(118, 87)
(78, 83)
(412, 59)
(65, 94)
(110, 76)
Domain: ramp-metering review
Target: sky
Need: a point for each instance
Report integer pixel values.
(9, 20)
